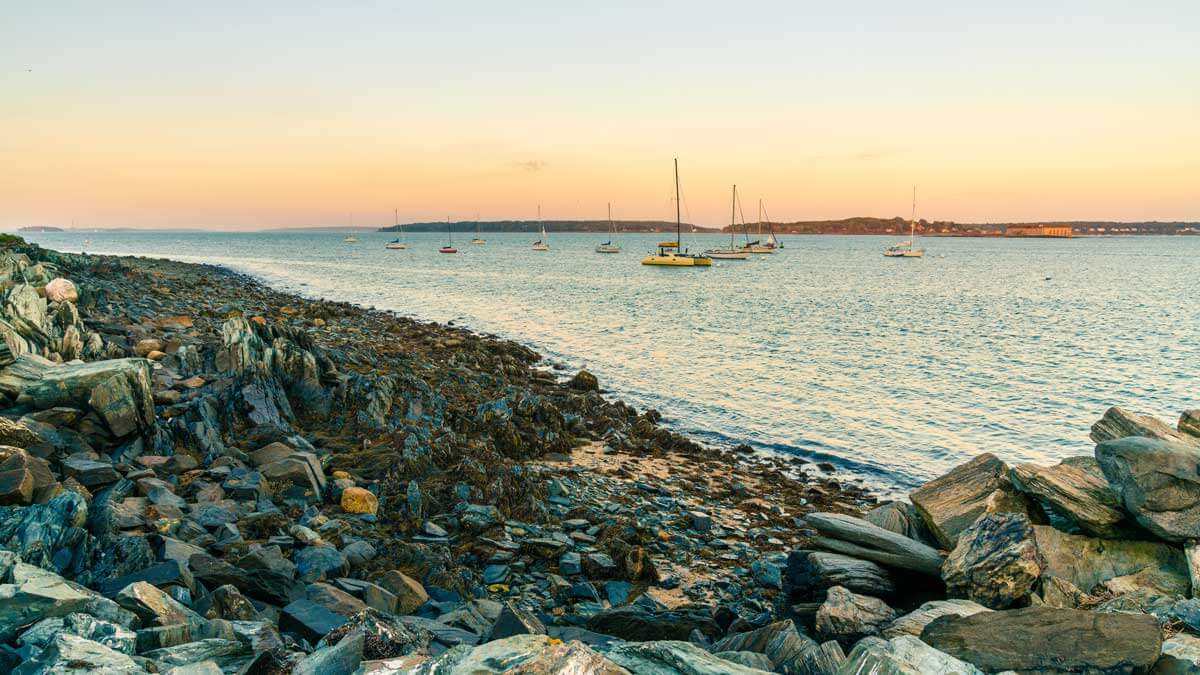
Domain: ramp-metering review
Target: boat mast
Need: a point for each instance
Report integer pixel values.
(912, 219)
(732, 215)
(678, 236)
(610, 223)
(449, 234)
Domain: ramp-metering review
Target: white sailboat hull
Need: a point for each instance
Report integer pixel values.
(396, 247)
(719, 254)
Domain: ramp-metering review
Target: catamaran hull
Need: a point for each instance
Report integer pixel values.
(608, 249)
(904, 254)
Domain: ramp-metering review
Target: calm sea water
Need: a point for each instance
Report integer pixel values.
(894, 370)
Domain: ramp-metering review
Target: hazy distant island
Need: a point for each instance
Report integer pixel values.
(946, 228)
(551, 225)
(41, 228)
(858, 225)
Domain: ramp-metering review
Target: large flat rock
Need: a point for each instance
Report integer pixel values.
(863, 539)
(1047, 639)
(1119, 423)
(1122, 565)
(1157, 481)
(1077, 489)
(950, 503)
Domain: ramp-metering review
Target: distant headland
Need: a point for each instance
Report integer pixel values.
(551, 225)
(858, 225)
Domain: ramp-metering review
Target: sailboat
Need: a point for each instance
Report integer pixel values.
(350, 238)
(757, 246)
(541, 244)
(669, 253)
(397, 244)
(905, 249)
(478, 240)
(733, 252)
(449, 247)
(609, 246)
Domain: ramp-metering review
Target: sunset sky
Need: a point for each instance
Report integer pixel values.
(245, 115)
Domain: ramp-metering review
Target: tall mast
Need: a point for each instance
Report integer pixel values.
(760, 217)
(912, 219)
(678, 236)
(610, 225)
(732, 214)
(449, 234)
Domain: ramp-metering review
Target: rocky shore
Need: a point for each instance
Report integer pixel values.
(199, 474)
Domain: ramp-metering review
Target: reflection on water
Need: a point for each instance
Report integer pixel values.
(895, 369)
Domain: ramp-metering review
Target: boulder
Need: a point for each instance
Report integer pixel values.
(1075, 488)
(1120, 565)
(154, 607)
(995, 563)
(824, 659)
(1189, 423)
(72, 655)
(116, 389)
(1180, 656)
(950, 503)
(780, 642)
(385, 638)
(228, 654)
(1048, 639)
(848, 617)
(37, 595)
(359, 500)
(314, 563)
(265, 584)
(16, 477)
(309, 620)
(903, 655)
(521, 654)
(862, 539)
(810, 573)
(515, 621)
(409, 592)
(342, 658)
(1118, 423)
(673, 658)
(333, 599)
(61, 290)
(915, 621)
(902, 518)
(635, 622)
(226, 602)
(1157, 482)
(748, 659)
(1170, 611)
(584, 381)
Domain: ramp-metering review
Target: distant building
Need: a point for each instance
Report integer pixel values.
(1038, 231)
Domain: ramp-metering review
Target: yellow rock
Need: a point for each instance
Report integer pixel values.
(359, 500)
(340, 474)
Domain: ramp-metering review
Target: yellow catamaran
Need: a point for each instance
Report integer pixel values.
(669, 252)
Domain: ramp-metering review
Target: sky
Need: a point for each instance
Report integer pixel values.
(269, 114)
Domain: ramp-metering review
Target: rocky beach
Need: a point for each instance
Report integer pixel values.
(201, 475)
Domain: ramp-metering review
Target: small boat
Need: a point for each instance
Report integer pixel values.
(905, 249)
(478, 240)
(541, 244)
(669, 254)
(732, 252)
(609, 246)
(449, 247)
(757, 246)
(397, 244)
(351, 239)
